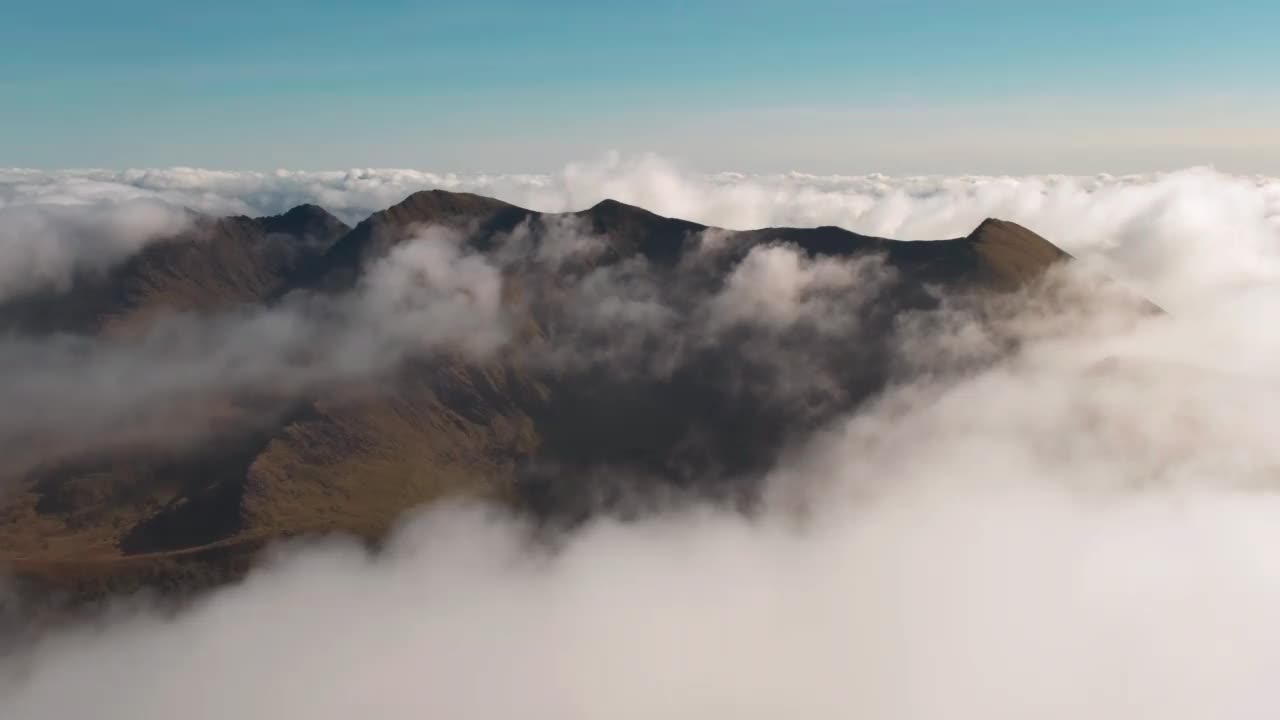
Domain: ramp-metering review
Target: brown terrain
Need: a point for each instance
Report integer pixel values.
(557, 441)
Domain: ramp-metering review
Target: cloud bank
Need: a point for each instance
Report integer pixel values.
(1053, 536)
(1086, 528)
(1136, 224)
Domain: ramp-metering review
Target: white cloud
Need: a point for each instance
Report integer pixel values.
(549, 241)
(44, 246)
(1224, 227)
(1087, 529)
(176, 379)
(1047, 538)
(778, 286)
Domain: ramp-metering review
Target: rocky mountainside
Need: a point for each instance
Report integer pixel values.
(641, 357)
(217, 264)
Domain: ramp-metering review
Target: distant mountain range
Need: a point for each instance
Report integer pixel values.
(631, 375)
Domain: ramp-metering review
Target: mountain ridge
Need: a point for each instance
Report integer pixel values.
(559, 441)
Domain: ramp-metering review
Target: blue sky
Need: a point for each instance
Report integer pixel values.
(856, 86)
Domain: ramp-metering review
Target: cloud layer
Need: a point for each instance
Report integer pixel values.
(1209, 224)
(1084, 529)
(1053, 536)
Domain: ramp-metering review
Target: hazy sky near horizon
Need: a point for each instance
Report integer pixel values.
(918, 86)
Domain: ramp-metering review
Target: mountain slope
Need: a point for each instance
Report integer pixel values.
(217, 264)
(641, 365)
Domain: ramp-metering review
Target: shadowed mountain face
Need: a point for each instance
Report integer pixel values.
(217, 264)
(375, 236)
(642, 357)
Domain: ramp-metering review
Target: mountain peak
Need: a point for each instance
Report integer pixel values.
(376, 234)
(610, 204)
(306, 210)
(610, 208)
(1005, 232)
(1012, 253)
(636, 230)
(433, 206)
(445, 202)
(305, 221)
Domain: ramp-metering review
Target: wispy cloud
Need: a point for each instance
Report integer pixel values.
(45, 246)
(181, 377)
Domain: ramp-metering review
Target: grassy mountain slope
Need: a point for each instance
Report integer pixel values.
(559, 440)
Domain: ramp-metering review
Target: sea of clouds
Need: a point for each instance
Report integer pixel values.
(1173, 231)
(1088, 528)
